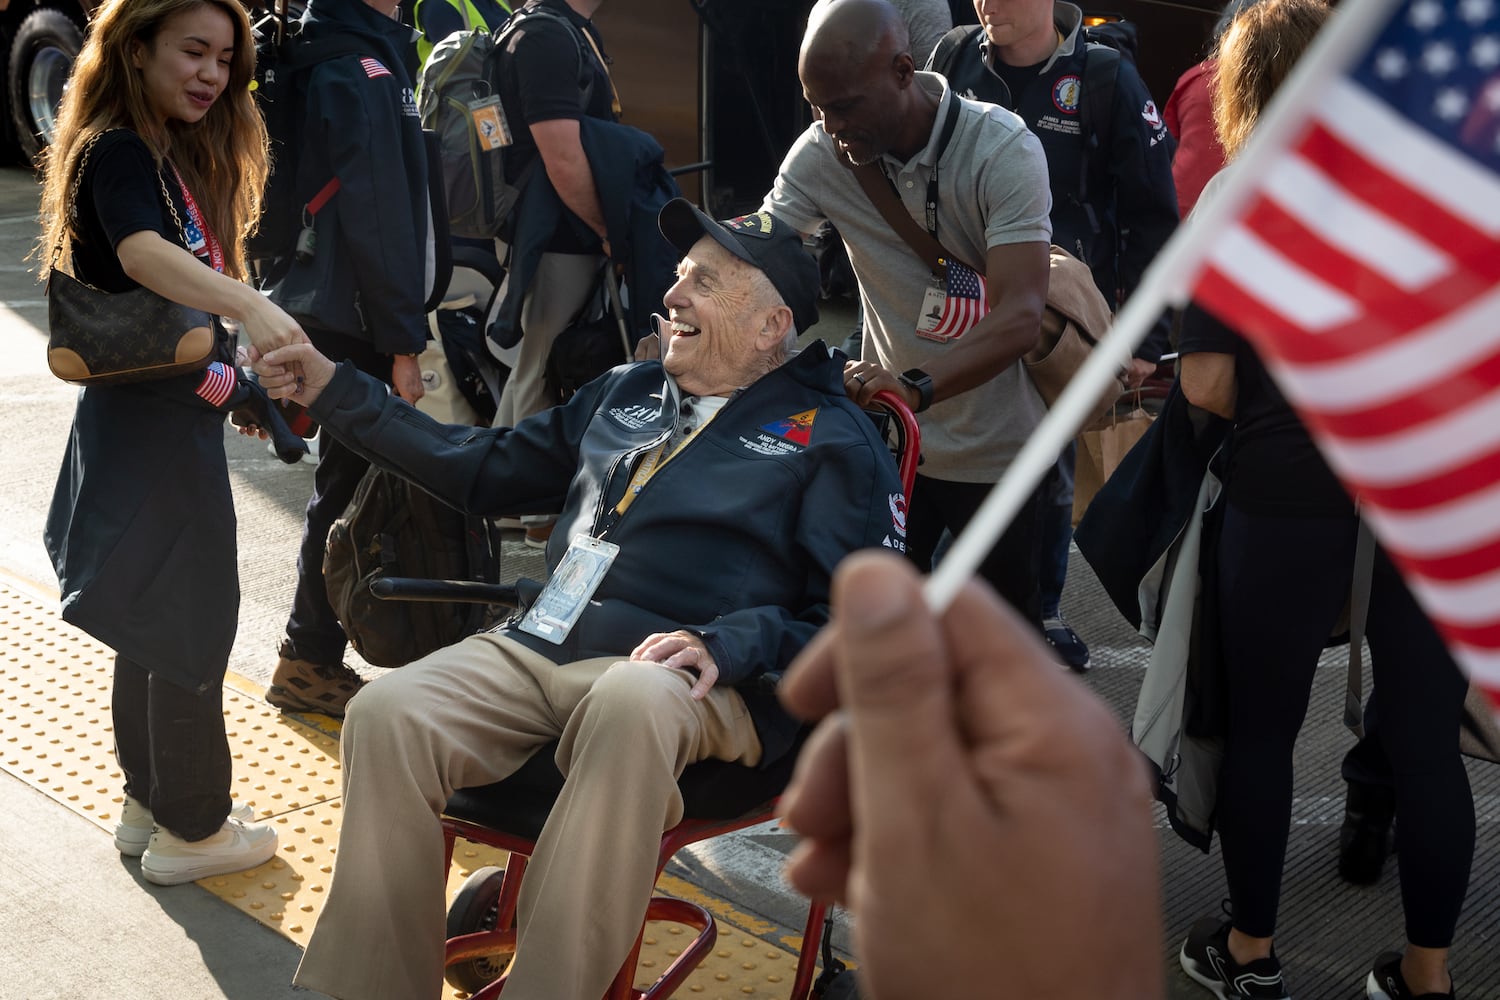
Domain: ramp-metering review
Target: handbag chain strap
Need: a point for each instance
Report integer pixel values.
(72, 206)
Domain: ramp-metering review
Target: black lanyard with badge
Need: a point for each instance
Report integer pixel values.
(881, 191)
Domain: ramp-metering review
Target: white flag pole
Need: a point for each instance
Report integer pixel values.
(1167, 282)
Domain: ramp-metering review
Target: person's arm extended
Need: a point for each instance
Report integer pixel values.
(1208, 382)
(568, 169)
(173, 273)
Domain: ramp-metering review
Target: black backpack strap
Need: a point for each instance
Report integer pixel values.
(949, 46)
(1101, 67)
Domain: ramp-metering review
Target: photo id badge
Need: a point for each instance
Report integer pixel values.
(930, 321)
(490, 124)
(556, 609)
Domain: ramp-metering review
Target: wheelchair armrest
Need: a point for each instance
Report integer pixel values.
(407, 588)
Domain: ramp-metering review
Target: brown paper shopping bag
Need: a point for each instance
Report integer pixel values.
(1102, 445)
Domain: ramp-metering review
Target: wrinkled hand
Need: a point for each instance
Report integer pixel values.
(1138, 371)
(684, 651)
(978, 809)
(863, 379)
(297, 371)
(406, 378)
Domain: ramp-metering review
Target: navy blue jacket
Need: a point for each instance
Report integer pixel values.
(367, 279)
(735, 538)
(632, 185)
(1131, 203)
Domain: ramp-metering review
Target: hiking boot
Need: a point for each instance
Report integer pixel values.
(1385, 983)
(133, 832)
(1066, 644)
(304, 686)
(1367, 836)
(1205, 958)
(170, 860)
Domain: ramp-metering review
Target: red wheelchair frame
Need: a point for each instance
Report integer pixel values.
(510, 819)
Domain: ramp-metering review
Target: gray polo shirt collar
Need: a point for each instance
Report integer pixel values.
(933, 83)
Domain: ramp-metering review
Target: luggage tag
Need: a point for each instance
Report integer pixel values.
(556, 609)
(490, 124)
(931, 316)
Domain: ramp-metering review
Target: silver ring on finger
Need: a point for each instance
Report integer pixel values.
(859, 378)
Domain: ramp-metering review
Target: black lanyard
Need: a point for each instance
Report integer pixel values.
(949, 124)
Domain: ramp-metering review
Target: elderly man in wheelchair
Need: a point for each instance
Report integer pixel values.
(706, 499)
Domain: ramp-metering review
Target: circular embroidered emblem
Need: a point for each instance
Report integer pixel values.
(1065, 94)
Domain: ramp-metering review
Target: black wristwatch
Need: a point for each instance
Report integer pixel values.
(920, 381)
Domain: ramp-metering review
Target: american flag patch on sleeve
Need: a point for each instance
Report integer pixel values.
(218, 383)
(374, 68)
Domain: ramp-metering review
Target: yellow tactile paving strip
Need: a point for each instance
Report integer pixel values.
(55, 735)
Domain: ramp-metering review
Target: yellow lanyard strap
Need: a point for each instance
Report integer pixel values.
(614, 95)
(654, 463)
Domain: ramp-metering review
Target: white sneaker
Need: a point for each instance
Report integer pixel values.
(133, 832)
(170, 860)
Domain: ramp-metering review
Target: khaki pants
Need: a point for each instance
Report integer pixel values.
(469, 715)
(559, 289)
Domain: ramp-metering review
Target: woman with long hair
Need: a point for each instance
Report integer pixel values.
(154, 180)
(1285, 555)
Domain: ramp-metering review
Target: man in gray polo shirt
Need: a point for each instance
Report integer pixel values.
(990, 209)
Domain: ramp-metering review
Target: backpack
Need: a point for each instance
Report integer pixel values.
(393, 528)
(458, 97)
(282, 59)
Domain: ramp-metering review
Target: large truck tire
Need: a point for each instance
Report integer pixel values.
(41, 57)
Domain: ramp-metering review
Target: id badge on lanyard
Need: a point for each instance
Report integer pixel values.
(572, 585)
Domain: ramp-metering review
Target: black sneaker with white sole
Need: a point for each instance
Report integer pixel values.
(1070, 649)
(1205, 958)
(1385, 982)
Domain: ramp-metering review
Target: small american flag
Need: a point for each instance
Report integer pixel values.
(963, 305)
(374, 68)
(1365, 267)
(218, 383)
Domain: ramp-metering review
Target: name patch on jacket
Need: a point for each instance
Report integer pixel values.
(786, 436)
(635, 417)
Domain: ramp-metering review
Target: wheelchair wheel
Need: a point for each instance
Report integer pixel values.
(476, 908)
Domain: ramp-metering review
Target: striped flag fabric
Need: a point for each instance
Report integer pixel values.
(218, 383)
(374, 67)
(1364, 264)
(964, 304)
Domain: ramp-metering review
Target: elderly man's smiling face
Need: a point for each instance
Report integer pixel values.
(722, 333)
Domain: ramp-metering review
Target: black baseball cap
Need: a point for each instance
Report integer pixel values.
(760, 240)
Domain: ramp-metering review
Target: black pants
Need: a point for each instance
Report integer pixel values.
(312, 627)
(1282, 584)
(1012, 566)
(172, 749)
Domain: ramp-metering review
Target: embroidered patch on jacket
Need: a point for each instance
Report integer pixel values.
(797, 428)
(374, 67)
(1065, 94)
(218, 383)
(1150, 115)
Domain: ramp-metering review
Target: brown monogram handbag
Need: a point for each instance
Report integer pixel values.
(102, 338)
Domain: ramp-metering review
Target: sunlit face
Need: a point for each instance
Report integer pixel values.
(1009, 22)
(859, 109)
(717, 340)
(186, 66)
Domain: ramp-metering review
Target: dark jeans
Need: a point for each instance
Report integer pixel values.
(313, 628)
(1057, 532)
(172, 749)
(1011, 566)
(1282, 584)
